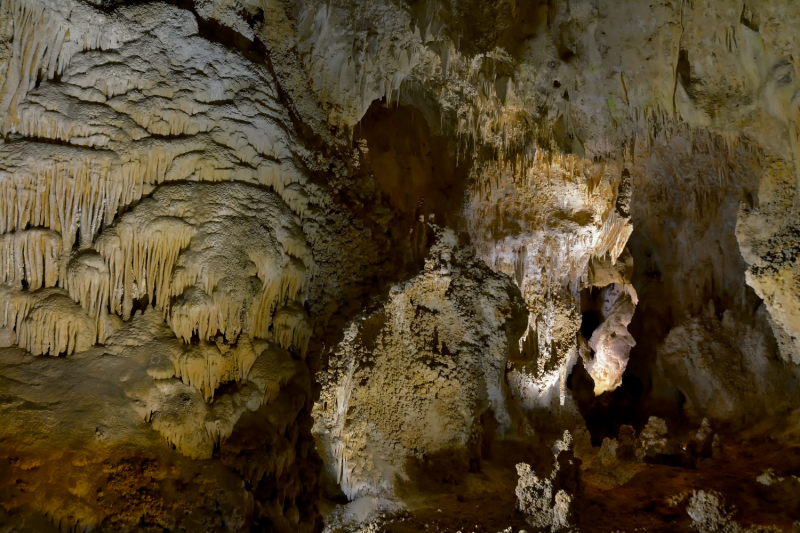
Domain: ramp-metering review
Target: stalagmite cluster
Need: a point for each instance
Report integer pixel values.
(550, 503)
(399, 265)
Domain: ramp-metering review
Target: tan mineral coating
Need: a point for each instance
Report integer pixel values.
(414, 378)
(198, 253)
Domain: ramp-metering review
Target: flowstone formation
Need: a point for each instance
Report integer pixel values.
(399, 265)
(178, 308)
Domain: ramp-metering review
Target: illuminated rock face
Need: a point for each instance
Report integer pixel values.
(263, 258)
(416, 377)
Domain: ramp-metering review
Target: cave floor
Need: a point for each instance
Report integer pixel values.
(624, 496)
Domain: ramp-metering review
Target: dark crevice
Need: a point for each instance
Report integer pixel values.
(606, 414)
(749, 19)
(589, 322)
(16, 137)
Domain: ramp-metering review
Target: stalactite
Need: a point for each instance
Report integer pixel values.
(195, 312)
(291, 327)
(30, 257)
(88, 283)
(178, 251)
(47, 321)
(59, 188)
(150, 249)
(205, 366)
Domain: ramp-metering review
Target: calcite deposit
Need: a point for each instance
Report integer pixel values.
(399, 265)
(419, 376)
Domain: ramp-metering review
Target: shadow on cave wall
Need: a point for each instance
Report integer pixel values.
(416, 171)
(406, 178)
(685, 256)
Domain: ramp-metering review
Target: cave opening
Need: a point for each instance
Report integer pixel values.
(632, 403)
(416, 170)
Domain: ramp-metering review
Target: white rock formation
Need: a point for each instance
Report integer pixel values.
(611, 342)
(542, 223)
(551, 502)
(414, 378)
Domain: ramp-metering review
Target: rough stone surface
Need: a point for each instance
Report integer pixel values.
(416, 378)
(286, 265)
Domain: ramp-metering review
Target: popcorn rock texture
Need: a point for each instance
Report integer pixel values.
(416, 377)
(551, 502)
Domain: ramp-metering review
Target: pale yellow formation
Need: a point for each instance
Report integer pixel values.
(88, 283)
(64, 193)
(207, 365)
(207, 256)
(195, 312)
(30, 257)
(83, 112)
(292, 327)
(47, 321)
(150, 249)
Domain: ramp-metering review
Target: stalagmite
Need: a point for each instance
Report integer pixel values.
(401, 384)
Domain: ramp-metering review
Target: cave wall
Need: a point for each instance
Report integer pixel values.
(258, 255)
